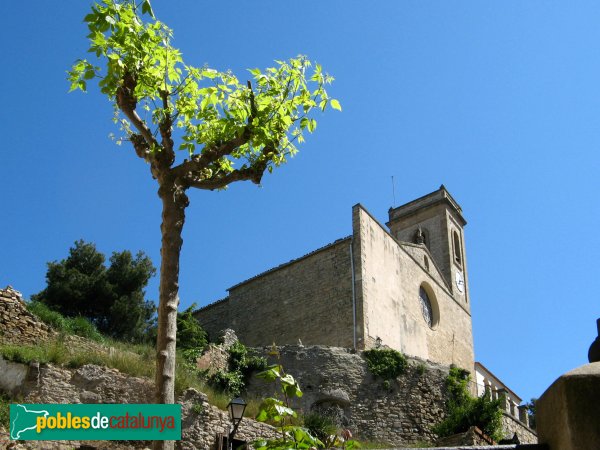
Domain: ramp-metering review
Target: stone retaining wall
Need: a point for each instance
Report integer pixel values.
(93, 384)
(337, 383)
(511, 426)
(17, 324)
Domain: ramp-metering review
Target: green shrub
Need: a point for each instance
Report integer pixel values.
(79, 326)
(24, 353)
(50, 317)
(242, 362)
(189, 356)
(4, 411)
(320, 426)
(190, 335)
(229, 382)
(465, 411)
(84, 328)
(385, 363)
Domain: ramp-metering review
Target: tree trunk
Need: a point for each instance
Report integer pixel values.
(174, 202)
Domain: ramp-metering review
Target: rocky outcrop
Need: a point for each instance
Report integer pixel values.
(216, 356)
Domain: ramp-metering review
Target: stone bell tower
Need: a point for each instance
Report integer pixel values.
(435, 220)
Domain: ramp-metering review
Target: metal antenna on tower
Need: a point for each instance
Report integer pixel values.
(393, 193)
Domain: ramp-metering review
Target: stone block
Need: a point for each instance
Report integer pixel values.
(13, 376)
(568, 413)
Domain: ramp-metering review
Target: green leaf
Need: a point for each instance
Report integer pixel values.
(336, 104)
(285, 411)
(147, 8)
(271, 374)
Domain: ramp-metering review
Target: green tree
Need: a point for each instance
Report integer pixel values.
(227, 130)
(531, 410)
(190, 335)
(111, 298)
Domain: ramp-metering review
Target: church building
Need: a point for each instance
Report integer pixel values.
(403, 285)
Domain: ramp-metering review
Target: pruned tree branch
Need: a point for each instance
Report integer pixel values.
(127, 103)
(167, 156)
(253, 173)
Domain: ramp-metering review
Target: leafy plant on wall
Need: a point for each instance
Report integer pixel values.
(465, 411)
(278, 412)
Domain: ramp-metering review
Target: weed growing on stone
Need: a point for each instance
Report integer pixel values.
(320, 426)
(464, 411)
(242, 362)
(385, 363)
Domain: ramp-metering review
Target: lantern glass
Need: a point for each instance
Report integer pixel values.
(236, 409)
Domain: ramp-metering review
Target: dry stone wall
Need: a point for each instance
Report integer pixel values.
(17, 324)
(93, 384)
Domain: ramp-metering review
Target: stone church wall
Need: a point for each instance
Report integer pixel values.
(215, 317)
(308, 299)
(390, 278)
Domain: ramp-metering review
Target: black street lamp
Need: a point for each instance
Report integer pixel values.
(236, 408)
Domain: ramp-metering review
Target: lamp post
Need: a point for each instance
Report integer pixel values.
(236, 408)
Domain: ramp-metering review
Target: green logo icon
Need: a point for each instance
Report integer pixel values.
(95, 422)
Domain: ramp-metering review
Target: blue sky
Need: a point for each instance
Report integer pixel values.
(499, 101)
